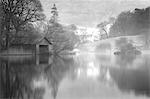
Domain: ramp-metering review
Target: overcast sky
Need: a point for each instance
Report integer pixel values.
(88, 13)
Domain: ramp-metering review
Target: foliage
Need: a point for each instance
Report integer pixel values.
(72, 27)
(103, 26)
(22, 11)
(61, 37)
(131, 23)
(17, 13)
(126, 47)
(27, 36)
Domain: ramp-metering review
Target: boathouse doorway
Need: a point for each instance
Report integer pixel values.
(43, 49)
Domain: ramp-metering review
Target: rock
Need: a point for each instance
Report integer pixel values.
(117, 53)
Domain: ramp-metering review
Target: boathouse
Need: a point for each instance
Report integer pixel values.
(43, 46)
(29, 47)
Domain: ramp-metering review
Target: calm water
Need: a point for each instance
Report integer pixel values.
(85, 76)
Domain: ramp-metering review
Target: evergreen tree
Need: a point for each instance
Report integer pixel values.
(54, 12)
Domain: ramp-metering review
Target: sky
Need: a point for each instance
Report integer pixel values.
(88, 13)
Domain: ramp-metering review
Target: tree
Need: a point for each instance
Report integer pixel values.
(18, 13)
(72, 27)
(121, 27)
(104, 25)
(132, 23)
(54, 12)
(62, 37)
(27, 36)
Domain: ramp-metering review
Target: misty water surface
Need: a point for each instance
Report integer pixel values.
(85, 76)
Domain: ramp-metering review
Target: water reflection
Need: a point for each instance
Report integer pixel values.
(136, 78)
(125, 60)
(74, 77)
(15, 80)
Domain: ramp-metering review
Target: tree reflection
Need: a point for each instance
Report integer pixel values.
(125, 60)
(26, 80)
(15, 81)
(136, 80)
(16, 77)
(57, 71)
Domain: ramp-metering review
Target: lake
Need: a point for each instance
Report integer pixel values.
(83, 76)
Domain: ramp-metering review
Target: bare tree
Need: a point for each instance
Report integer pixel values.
(60, 38)
(103, 26)
(17, 13)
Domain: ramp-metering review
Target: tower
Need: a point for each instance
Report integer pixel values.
(54, 12)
